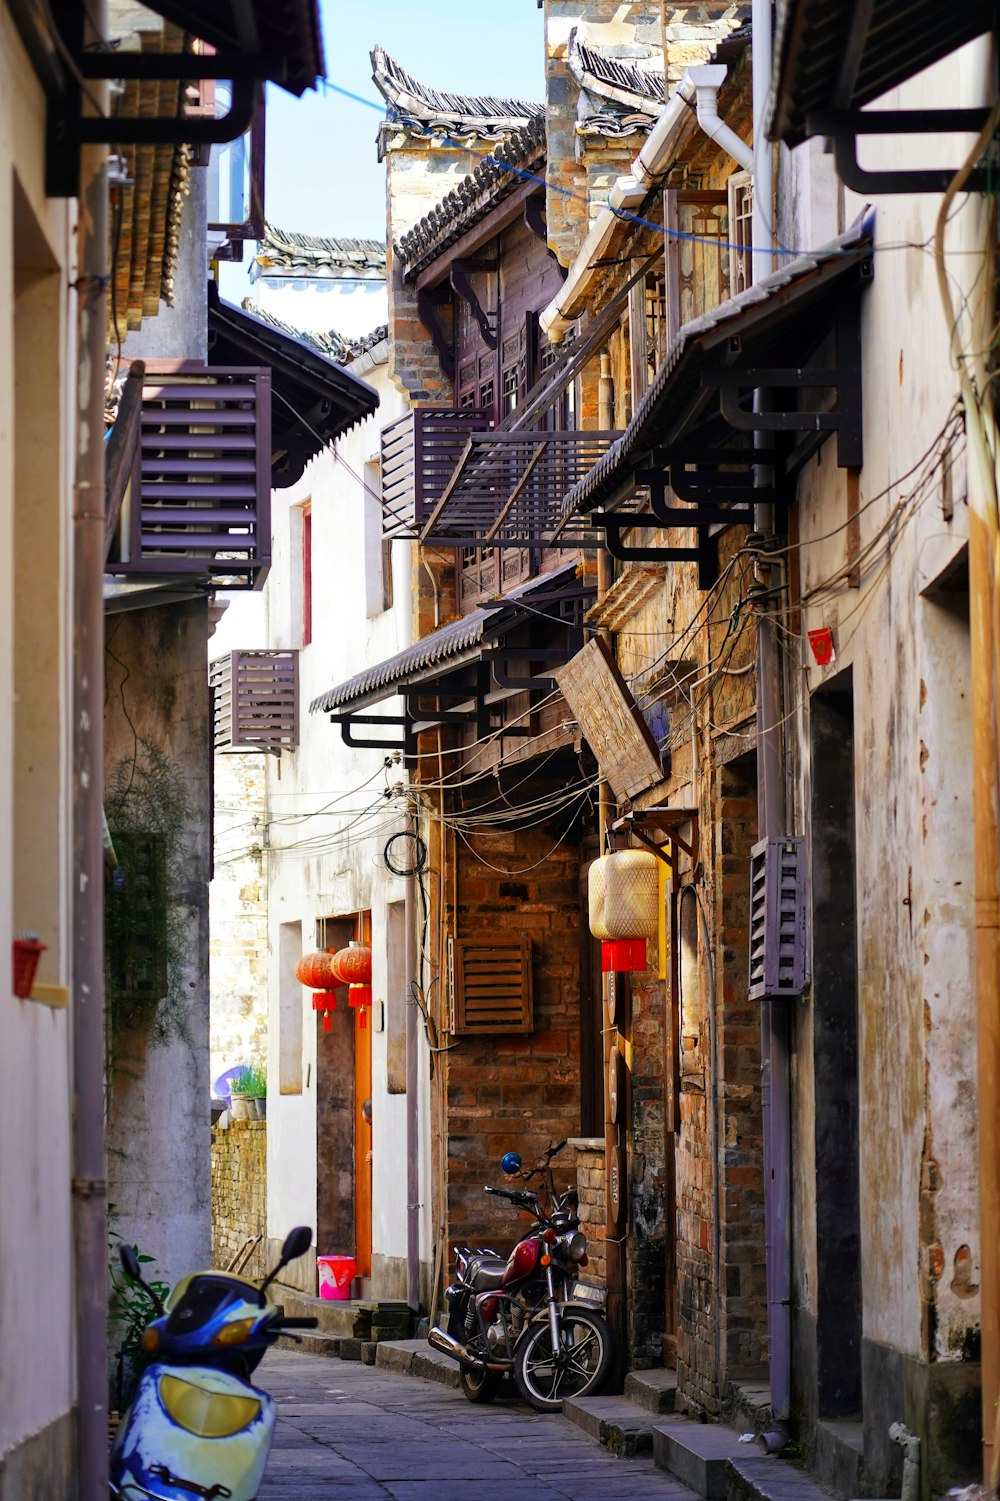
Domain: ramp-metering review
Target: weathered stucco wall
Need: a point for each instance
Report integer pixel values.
(158, 1126)
(37, 446)
(902, 634)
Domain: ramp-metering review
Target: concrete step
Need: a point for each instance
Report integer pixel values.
(622, 1427)
(345, 1320)
(839, 1456)
(756, 1478)
(414, 1357)
(653, 1390)
(311, 1342)
(696, 1453)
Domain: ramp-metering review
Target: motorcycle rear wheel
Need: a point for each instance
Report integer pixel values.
(579, 1368)
(478, 1386)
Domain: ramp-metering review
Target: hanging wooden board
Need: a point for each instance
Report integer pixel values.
(616, 1188)
(603, 706)
(615, 1091)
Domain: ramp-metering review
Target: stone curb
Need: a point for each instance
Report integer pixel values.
(414, 1357)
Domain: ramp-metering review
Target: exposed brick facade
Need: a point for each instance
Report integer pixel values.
(517, 1092)
(239, 1194)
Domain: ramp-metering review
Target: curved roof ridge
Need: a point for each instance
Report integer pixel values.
(280, 247)
(413, 99)
(474, 195)
(333, 345)
(617, 79)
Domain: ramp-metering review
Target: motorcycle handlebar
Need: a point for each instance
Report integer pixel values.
(282, 1323)
(515, 1198)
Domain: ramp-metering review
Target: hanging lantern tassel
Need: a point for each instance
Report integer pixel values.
(324, 1001)
(359, 997)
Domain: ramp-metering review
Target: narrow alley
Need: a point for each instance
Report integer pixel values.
(350, 1431)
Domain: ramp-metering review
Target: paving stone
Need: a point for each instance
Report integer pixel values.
(369, 1349)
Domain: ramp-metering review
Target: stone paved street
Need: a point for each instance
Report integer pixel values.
(350, 1432)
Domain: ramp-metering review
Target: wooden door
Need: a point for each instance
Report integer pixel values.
(362, 1123)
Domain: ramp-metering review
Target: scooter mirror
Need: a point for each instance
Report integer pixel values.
(510, 1163)
(130, 1261)
(297, 1243)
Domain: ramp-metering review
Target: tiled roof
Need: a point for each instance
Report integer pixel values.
(680, 369)
(445, 645)
(637, 89)
(456, 114)
(314, 255)
(497, 175)
(334, 346)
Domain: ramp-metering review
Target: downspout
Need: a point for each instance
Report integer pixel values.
(775, 1030)
(700, 87)
(86, 899)
(411, 918)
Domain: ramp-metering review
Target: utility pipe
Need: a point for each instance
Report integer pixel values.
(775, 1029)
(694, 98)
(87, 886)
(411, 918)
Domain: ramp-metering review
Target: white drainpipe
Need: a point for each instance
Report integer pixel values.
(697, 91)
(700, 87)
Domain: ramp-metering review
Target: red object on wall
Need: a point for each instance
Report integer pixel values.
(619, 955)
(360, 996)
(823, 649)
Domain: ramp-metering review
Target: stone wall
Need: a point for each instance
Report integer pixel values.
(239, 1194)
(590, 1186)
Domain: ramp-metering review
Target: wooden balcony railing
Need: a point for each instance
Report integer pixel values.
(419, 454)
(199, 498)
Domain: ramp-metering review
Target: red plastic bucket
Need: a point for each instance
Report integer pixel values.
(336, 1273)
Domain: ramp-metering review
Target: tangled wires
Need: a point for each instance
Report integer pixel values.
(419, 854)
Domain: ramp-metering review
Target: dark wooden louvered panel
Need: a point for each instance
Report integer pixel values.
(419, 455)
(201, 501)
(490, 983)
(256, 701)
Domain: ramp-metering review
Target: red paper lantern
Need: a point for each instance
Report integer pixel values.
(360, 996)
(353, 965)
(620, 955)
(317, 972)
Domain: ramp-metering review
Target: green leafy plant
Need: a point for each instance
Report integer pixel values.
(130, 1309)
(146, 929)
(254, 1081)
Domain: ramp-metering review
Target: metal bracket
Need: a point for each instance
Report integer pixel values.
(705, 554)
(843, 127)
(347, 720)
(497, 655)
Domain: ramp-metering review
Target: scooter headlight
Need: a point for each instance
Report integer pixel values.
(207, 1414)
(236, 1333)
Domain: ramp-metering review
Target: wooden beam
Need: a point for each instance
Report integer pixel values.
(121, 450)
(487, 229)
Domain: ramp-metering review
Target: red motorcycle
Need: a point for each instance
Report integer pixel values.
(528, 1315)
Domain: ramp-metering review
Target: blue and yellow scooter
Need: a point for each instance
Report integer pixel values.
(198, 1427)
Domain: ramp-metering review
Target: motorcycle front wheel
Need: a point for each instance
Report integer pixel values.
(478, 1386)
(578, 1368)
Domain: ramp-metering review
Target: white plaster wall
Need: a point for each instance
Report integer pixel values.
(36, 1245)
(329, 818)
(351, 308)
(913, 749)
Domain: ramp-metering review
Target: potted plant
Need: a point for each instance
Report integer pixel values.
(239, 1096)
(255, 1087)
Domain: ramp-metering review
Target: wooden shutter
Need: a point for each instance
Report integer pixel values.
(490, 984)
(255, 700)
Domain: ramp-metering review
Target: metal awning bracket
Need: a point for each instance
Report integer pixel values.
(843, 127)
(668, 821)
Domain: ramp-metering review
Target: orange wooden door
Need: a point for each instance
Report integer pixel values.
(362, 1127)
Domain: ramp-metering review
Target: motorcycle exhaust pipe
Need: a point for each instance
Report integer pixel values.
(438, 1339)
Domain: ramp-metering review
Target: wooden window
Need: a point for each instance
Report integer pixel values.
(648, 330)
(307, 596)
(490, 985)
(740, 187)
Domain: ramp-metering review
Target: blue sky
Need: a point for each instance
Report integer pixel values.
(323, 175)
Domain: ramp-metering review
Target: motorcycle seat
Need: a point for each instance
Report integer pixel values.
(486, 1272)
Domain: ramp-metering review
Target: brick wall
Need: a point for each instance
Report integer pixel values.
(590, 1186)
(648, 1225)
(515, 1092)
(239, 1193)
